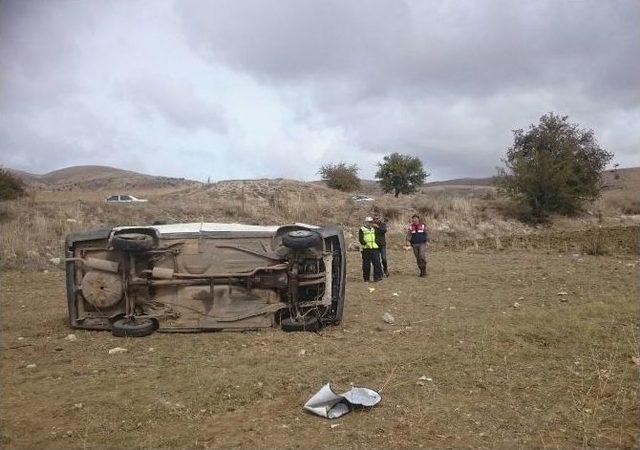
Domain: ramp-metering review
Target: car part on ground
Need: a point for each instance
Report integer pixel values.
(326, 403)
(195, 277)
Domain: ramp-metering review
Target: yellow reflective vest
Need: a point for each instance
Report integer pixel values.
(369, 237)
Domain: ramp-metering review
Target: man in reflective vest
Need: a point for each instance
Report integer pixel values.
(417, 237)
(370, 251)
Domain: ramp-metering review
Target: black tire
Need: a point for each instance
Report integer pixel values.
(308, 324)
(300, 239)
(133, 242)
(338, 317)
(133, 327)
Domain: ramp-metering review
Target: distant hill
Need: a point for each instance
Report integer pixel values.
(627, 178)
(371, 187)
(97, 178)
(110, 178)
(462, 182)
(272, 190)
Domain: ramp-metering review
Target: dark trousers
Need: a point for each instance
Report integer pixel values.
(420, 252)
(383, 257)
(371, 256)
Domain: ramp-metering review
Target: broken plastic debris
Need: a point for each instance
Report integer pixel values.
(71, 337)
(561, 293)
(395, 294)
(31, 366)
(372, 289)
(326, 403)
(116, 350)
(388, 318)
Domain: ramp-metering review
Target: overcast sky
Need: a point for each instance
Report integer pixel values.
(244, 89)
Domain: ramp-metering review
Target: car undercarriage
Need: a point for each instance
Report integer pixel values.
(197, 277)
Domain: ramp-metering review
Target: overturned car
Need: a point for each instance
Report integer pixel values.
(205, 276)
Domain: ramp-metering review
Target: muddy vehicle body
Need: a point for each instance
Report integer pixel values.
(205, 276)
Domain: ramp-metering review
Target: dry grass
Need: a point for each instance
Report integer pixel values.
(554, 372)
(33, 228)
(546, 374)
(622, 195)
(620, 201)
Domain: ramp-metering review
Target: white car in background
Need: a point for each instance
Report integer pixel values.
(125, 199)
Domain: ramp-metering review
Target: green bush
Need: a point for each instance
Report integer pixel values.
(340, 176)
(11, 186)
(555, 167)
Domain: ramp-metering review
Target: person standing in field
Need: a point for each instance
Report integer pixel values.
(380, 227)
(370, 251)
(417, 238)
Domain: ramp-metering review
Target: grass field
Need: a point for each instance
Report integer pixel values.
(512, 363)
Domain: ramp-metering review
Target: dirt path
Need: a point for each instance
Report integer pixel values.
(554, 371)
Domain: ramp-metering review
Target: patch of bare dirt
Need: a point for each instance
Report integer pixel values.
(493, 349)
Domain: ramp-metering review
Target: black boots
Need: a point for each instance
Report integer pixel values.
(423, 272)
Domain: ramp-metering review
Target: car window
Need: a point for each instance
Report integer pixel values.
(125, 197)
(113, 198)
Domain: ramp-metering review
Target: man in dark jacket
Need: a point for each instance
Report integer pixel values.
(417, 237)
(370, 251)
(380, 227)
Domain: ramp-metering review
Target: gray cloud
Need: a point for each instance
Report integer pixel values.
(178, 103)
(253, 88)
(386, 47)
(444, 80)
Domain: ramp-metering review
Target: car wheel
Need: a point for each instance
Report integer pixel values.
(132, 242)
(307, 324)
(132, 327)
(300, 239)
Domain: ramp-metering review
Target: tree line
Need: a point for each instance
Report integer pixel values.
(553, 167)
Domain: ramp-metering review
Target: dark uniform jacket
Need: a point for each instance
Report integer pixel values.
(418, 233)
(381, 232)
